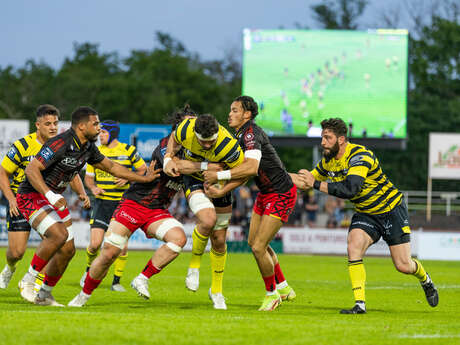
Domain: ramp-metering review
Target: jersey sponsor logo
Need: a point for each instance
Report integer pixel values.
(359, 222)
(46, 153)
(174, 185)
(70, 162)
(234, 157)
(128, 217)
(163, 151)
(12, 152)
(249, 140)
(343, 172)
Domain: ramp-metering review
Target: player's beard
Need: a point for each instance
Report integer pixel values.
(332, 152)
(91, 138)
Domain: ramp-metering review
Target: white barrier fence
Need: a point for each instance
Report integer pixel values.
(427, 245)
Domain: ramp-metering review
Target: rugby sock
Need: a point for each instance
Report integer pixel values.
(149, 270)
(358, 279)
(279, 277)
(420, 271)
(217, 267)
(198, 247)
(39, 282)
(36, 265)
(50, 282)
(90, 284)
(270, 284)
(120, 264)
(90, 258)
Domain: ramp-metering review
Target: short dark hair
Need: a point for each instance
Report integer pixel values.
(178, 115)
(206, 125)
(47, 109)
(248, 104)
(82, 114)
(336, 125)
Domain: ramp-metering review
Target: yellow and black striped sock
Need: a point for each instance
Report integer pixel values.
(358, 279)
(217, 266)
(90, 258)
(198, 247)
(420, 271)
(120, 264)
(39, 282)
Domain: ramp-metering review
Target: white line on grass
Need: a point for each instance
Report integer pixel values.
(429, 336)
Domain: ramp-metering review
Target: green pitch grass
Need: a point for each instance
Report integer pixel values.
(397, 310)
(369, 88)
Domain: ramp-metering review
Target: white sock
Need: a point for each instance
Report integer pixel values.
(271, 293)
(282, 285)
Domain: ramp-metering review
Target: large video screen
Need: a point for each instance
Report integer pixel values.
(300, 77)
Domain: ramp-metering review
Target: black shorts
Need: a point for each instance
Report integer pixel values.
(16, 223)
(192, 184)
(102, 212)
(392, 226)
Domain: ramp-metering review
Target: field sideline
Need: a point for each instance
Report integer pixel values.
(397, 310)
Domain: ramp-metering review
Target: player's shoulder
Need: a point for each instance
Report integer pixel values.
(355, 149)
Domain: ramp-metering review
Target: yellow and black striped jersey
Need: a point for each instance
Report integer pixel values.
(19, 155)
(377, 195)
(123, 154)
(226, 149)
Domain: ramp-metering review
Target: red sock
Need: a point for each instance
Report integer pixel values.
(51, 281)
(270, 283)
(90, 284)
(279, 276)
(38, 263)
(150, 269)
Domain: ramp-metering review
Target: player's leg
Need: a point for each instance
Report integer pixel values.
(119, 269)
(92, 251)
(17, 245)
(399, 243)
(357, 243)
(286, 292)
(116, 239)
(170, 231)
(205, 213)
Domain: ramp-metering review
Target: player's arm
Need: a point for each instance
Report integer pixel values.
(138, 164)
(90, 181)
(120, 171)
(187, 167)
(169, 165)
(299, 180)
(7, 192)
(77, 186)
(34, 175)
(214, 192)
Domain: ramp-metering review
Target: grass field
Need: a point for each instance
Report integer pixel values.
(397, 310)
(357, 76)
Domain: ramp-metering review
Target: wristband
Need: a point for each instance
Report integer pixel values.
(54, 198)
(166, 161)
(224, 175)
(317, 184)
(204, 166)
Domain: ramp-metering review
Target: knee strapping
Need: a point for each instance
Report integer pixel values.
(117, 240)
(174, 247)
(198, 202)
(167, 225)
(223, 220)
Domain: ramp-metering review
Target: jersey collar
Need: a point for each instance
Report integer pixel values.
(243, 127)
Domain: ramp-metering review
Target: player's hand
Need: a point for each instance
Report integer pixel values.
(152, 173)
(213, 191)
(61, 204)
(215, 166)
(171, 169)
(210, 177)
(307, 177)
(84, 198)
(14, 211)
(120, 182)
(97, 191)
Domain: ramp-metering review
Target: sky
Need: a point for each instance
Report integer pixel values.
(46, 30)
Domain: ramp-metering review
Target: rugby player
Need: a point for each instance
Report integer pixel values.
(40, 201)
(274, 202)
(204, 140)
(21, 152)
(108, 191)
(356, 174)
(145, 206)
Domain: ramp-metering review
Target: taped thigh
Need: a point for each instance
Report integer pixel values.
(198, 202)
(165, 226)
(223, 219)
(49, 220)
(116, 240)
